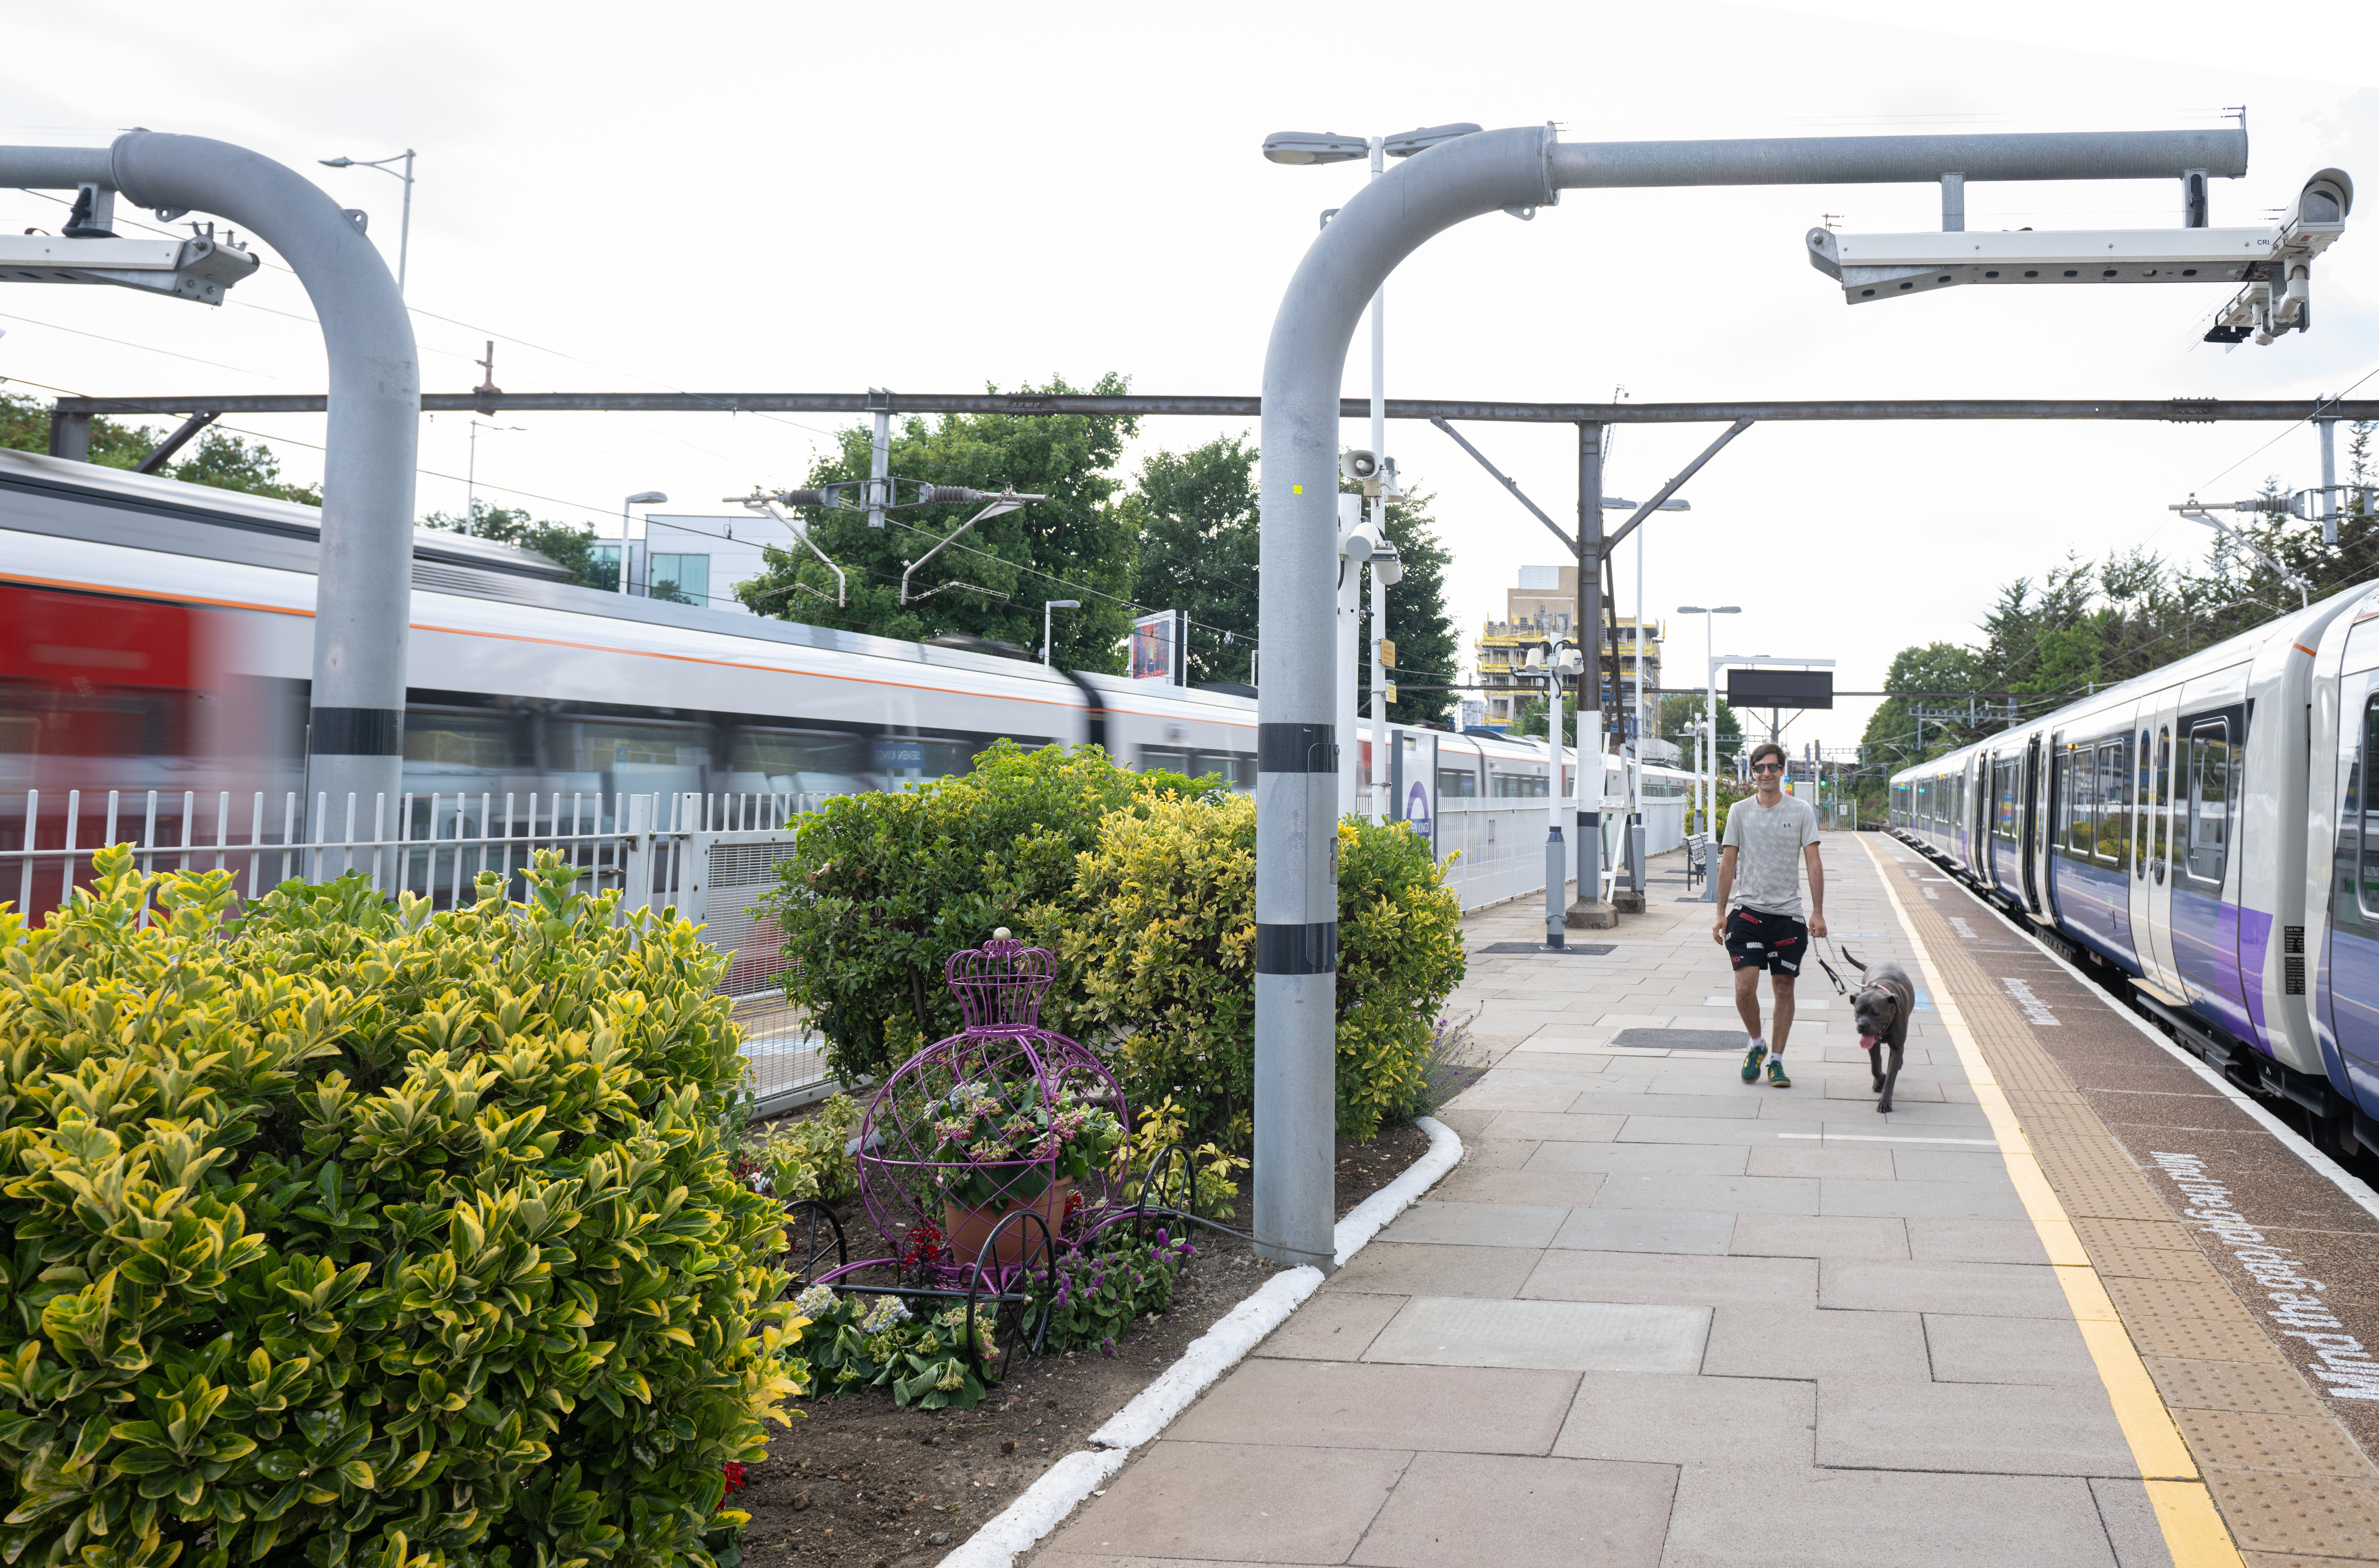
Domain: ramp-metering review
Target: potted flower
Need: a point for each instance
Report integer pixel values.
(1003, 1146)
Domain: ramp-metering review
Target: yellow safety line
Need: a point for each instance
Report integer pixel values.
(2194, 1531)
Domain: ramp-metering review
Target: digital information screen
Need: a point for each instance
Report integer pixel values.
(1780, 688)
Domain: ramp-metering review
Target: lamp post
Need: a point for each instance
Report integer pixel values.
(405, 223)
(470, 474)
(1709, 704)
(642, 497)
(1047, 642)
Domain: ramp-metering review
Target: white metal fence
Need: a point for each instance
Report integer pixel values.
(709, 856)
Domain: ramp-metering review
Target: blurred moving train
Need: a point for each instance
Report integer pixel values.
(2206, 833)
(155, 635)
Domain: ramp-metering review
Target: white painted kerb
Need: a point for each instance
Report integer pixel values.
(1062, 1488)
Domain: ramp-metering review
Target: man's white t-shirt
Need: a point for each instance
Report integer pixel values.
(1767, 842)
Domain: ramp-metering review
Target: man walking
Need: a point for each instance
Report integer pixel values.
(1769, 837)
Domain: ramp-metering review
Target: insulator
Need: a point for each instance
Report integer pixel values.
(958, 494)
(802, 498)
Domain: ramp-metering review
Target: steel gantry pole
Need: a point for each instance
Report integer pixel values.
(1521, 170)
(1590, 911)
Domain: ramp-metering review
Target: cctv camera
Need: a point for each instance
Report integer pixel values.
(1357, 464)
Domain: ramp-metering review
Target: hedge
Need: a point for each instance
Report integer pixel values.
(1144, 888)
(884, 887)
(340, 1232)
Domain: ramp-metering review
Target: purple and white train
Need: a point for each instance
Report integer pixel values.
(2206, 832)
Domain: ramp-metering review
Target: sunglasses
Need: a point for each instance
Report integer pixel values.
(1767, 767)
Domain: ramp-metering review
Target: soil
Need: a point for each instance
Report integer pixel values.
(862, 1482)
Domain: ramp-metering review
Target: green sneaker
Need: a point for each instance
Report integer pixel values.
(1776, 1078)
(1751, 1063)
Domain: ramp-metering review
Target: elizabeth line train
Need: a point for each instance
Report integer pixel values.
(2206, 837)
(155, 637)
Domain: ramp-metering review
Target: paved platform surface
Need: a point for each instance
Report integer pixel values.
(1660, 1316)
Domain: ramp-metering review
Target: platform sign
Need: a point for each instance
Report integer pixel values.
(1760, 687)
(1156, 647)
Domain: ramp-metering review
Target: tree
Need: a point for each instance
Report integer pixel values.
(1892, 733)
(220, 459)
(1200, 534)
(1077, 544)
(1427, 647)
(567, 544)
(1195, 514)
(1679, 715)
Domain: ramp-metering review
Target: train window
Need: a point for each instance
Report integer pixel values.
(2072, 832)
(2003, 801)
(1170, 759)
(1457, 783)
(457, 741)
(2163, 798)
(2212, 771)
(1237, 769)
(1518, 785)
(2142, 816)
(800, 760)
(2114, 804)
(2361, 813)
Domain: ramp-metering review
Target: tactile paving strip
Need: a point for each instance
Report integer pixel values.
(2259, 1388)
(2166, 1235)
(2295, 1445)
(2198, 1341)
(2099, 1194)
(2151, 1264)
(2318, 1515)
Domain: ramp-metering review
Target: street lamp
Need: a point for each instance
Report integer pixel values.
(1710, 706)
(1047, 635)
(1387, 570)
(642, 497)
(405, 223)
(470, 474)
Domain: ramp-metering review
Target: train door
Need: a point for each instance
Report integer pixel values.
(2209, 752)
(2056, 806)
(1987, 818)
(2153, 892)
(2031, 852)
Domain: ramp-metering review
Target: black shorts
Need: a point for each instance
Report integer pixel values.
(1772, 941)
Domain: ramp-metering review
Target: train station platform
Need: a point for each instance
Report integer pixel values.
(2075, 1301)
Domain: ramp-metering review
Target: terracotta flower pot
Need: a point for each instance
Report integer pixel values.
(967, 1229)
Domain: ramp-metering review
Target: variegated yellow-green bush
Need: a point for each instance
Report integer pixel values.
(338, 1232)
(1158, 941)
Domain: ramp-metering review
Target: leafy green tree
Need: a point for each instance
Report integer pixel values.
(570, 545)
(1195, 512)
(1891, 734)
(25, 426)
(1078, 544)
(1427, 646)
(229, 463)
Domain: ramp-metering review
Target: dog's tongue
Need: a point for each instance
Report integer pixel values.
(1867, 1042)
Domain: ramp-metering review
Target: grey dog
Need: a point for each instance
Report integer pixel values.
(1886, 998)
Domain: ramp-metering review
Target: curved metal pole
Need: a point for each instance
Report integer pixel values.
(1296, 893)
(356, 728)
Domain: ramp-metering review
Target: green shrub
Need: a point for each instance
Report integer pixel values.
(809, 1156)
(1158, 943)
(883, 888)
(344, 1233)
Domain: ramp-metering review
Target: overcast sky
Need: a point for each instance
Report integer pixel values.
(933, 197)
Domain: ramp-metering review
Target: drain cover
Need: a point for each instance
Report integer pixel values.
(1584, 949)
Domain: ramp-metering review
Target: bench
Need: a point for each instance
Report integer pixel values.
(1697, 859)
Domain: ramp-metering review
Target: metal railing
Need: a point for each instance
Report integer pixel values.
(709, 856)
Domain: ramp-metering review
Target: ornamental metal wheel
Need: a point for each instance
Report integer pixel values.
(1008, 1287)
